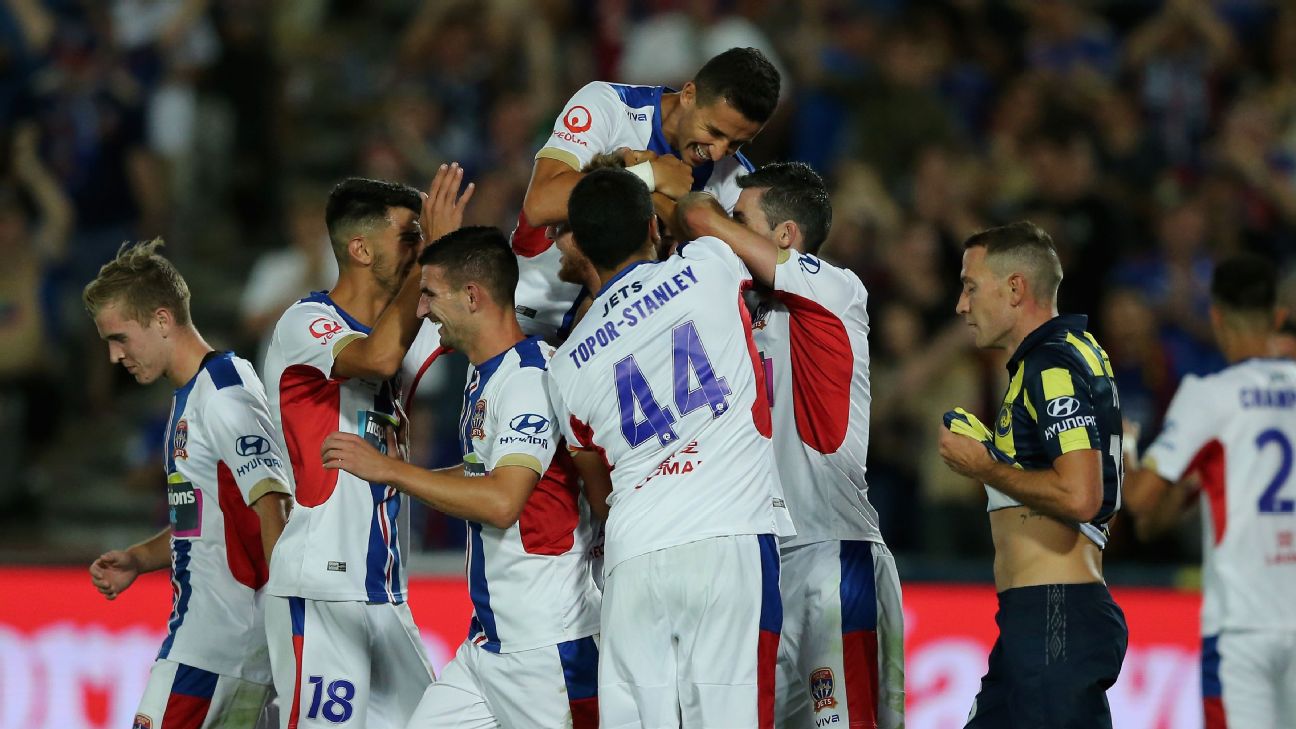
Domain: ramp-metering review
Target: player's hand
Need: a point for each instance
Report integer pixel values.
(442, 210)
(113, 572)
(632, 157)
(353, 454)
(964, 455)
(694, 212)
(673, 176)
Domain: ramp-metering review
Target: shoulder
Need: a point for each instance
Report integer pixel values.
(1055, 354)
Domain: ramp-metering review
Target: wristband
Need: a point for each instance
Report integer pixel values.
(644, 171)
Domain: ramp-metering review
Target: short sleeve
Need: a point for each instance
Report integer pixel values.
(238, 422)
(708, 248)
(1187, 429)
(1059, 400)
(522, 429)
(587, 126)
(312, 334)
(809, 277)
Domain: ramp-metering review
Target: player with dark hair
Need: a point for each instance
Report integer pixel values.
(1234, 431)
(228, 493)
(530, 659)
(659, 390)
(1052, 472)
(841, 654)
(343, 643)
(675, 141)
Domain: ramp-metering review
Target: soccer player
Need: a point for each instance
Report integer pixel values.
(530, 659)
(1234, 430)
(675, 141)
(659, 384)
(343, 644)
(1052, 472)
(841, 654)
(228, 489)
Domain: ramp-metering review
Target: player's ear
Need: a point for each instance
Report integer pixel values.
(358, 250)
(688, 95)
(788, 234)
(473, 295)
(163, 319)
(1018, 289)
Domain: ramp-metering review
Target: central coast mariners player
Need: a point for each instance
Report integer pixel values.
(841, 655)
(675, 141)
(343, 644)
(1052, 471)
(659, 384)
(1234, 430)
(530, 659)
(228, 489)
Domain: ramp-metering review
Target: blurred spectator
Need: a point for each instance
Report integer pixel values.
(1066, 42)
(1145, 375)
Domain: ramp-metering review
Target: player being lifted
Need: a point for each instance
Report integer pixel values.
(530, 659)
(228, 491)
(659, 384)
(675, 141)
(343, 644)
(841, 655)
(1234, 430)
(1052, 471)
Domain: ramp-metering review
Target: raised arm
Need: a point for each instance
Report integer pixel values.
(698, 214)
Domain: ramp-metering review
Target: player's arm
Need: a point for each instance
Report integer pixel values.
(1071, 489)
(552, 181)
(1159, 488)
(698, 214)
(496, 499)
(115, 570)
(378, 356)
(1155, 504)
(595, 479)
(272, 511)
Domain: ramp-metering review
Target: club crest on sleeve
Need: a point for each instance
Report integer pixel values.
(478, 417)
(1004, 424)
(142, 722)
(822, 687)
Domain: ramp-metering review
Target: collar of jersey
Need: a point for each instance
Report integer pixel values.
(207, 359)
(487, 368)
(322, 297)
(1045, 331)
(620, 275)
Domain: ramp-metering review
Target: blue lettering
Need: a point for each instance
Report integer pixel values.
(628, 315)
(1257, 398)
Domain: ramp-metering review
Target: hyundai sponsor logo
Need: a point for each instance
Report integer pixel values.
(252, 445)
(1061, 407)
(530, 424)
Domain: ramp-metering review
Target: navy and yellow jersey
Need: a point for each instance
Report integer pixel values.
(1061, 398)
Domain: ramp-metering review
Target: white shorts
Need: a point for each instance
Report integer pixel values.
(841, 656)
(691, 632)
(1249, 679)
(183, 697)
(357, 663)
(555, 687)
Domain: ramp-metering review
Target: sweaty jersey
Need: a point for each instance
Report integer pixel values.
(530, 584)
(1235, 430)
(812, 334)
(661, 377)
(221, 456)
(601, 118)
(1061, 398)
(344, 540)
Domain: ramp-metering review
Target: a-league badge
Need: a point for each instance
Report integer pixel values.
(821, 689)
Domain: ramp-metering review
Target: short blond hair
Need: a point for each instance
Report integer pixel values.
(141, 281)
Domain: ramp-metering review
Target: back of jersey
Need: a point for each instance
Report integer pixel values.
(661, 376)
(1235, 430)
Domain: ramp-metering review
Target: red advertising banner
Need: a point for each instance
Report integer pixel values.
(71, 660)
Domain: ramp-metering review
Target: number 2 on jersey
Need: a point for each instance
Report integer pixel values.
(690, 365)
(1269, 501)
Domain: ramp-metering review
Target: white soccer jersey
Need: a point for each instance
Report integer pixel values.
(600, 118)
(346, 537)
(661, 377)
(1235, 429)
(530, 584)
(812, 334)
(221, 456)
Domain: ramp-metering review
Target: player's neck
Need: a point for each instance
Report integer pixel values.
(607, 274)
(1032, 318)
(360, 296)
(495, 337)
(187, 355)
(1239, 346)
(670, 104)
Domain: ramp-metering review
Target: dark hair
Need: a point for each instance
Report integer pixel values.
(609, 211)
(476, 254)
(1030, 247)
(361, 202)
(794, 191)
(1245, 282)
(745, 78)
